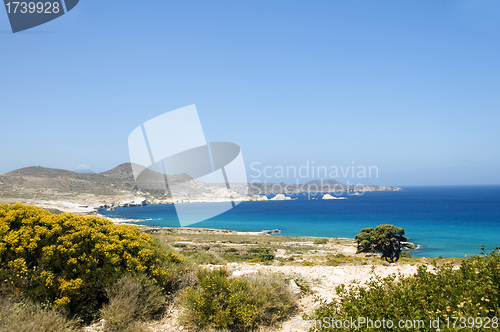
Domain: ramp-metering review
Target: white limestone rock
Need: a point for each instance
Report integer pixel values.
(281, 197)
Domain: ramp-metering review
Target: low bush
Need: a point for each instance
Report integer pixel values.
(253, 255)
(204, 258)
(28, 317)
(272, 297)
(69, 260)
(405, 254)
(468, 293)
(299, 280)
(219, 301)
(266, 256)
(321, 241)
(132, 299)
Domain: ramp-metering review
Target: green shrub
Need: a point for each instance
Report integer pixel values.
(470, 291)
(205, 258)
(321, 241)
(219, 301)
(69, 260)
(174, 271)
(405, 254)
(266, 256)
(28, 317)
(133, 298)
(253, 255)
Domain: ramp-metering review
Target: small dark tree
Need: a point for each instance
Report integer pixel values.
(387, 240)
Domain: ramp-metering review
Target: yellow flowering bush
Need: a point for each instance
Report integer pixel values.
(69, 260)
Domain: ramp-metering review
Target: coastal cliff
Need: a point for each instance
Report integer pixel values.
(87, 192)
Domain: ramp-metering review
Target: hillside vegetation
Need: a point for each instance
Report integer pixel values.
(69, 261)
(463, 299)
(60, 271)
(40, 179)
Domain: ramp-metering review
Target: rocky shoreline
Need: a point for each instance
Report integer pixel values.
(90, 192)
(88, 203)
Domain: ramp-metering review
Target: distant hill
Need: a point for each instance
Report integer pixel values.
(37, 177)
(118, 179)
(316, 186)
(83, 169)
(41, 182)
(323, 183)
(123, 171)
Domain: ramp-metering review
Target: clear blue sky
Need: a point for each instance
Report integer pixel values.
(410, 87)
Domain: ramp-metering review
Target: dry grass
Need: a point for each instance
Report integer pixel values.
(24, 316)
(133, 298)
(273, 298)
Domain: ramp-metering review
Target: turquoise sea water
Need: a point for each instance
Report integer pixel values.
(447, 221)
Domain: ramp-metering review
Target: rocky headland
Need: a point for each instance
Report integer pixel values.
(90, 192)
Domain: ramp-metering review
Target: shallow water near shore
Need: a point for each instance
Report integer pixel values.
(448, 220)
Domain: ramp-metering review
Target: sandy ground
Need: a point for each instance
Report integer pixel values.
(323, 279)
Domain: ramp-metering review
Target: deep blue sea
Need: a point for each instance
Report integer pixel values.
(448, 220)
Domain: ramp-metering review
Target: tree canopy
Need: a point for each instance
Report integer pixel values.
(388, 240)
